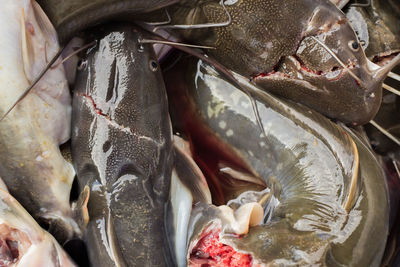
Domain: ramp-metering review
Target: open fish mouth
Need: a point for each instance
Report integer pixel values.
(385, 58)
(13, 245)
(301, 70)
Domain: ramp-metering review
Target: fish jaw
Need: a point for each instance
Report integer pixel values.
(24, 242)
(30, 135)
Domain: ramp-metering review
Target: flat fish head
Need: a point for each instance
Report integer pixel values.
(71, 17)
(329, 72)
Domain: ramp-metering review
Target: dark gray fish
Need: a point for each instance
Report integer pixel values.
(378, 28)
(121, 149)
(325, 195)
(303, 50)
(71, 17)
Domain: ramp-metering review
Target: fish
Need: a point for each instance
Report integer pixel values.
(71, 17)
(22, 241)
(340, 3)
(122, 148)
(317, 60)
(321, 183)
(386, 119)
(31, 164)
(377, 27)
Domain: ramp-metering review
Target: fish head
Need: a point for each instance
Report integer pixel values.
(23, 242)
(72, 17)
(329, 72)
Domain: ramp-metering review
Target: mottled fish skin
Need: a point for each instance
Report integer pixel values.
(23, 242)
(30, 160)
(122, 149)
(71, 17)
(272, 42)
(333, 204)
(378, 27)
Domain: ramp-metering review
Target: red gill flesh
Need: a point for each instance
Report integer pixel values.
(210, 251)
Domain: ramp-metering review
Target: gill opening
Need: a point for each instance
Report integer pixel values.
(202, 25)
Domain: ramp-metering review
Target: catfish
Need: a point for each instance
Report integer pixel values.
(321, 183)
(303, 50)
(122, 148)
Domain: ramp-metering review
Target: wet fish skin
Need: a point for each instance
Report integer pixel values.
(377, 25)
(310, 162)
(122, 149)
(31, 163)
(275, 47)
(71, 17)
(23, 241)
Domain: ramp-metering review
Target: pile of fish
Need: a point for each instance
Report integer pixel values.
(199, 133)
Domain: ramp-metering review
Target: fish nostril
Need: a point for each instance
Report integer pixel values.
(153, 65)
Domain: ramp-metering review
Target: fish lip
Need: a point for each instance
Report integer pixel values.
(385, 57)
(336, 73)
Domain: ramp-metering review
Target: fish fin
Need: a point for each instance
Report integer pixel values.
(80, 210)
(45, 25)
(191, 176)
(26, 47)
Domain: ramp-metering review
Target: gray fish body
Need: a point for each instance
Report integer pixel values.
(310, 164)
(121, 149)
(279, 47)
(71, 17)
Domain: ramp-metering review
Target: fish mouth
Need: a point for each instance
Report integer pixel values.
(210, 250)
(292, 67)
(13, 245)
(385, 58)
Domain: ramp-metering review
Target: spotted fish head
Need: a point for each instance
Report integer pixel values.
(329, 71)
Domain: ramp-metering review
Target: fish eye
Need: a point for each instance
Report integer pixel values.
(81, 64)
(354, 45)
(153, 65)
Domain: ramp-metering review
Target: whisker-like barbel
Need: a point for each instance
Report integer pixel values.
(337, 59)
(389, 135)
(391, 89)
(35, 81)
(161, 22)
(396, 168)
(74, 53)
(199, 26)
(150, 41)
(394, 76)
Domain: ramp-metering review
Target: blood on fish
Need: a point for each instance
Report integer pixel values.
(210, 251)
